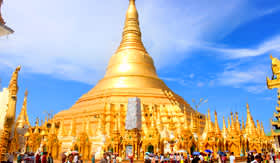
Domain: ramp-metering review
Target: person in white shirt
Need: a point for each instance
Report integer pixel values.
(232, 158)
(201, 158)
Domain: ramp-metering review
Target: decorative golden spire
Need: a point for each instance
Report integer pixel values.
(258, 128)
(210, 125)
(243, 124)
(229, 126)
(131, 37)
(237, 123)
(224, 132)
(262, 130)
(250, 124)
(22, 119)
(13, 89)
(217, 128)
(232, 123)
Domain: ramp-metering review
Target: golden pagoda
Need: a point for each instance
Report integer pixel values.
(274, 82)
(4, 30)
(130, 73)
(96, 123)
(8, 102)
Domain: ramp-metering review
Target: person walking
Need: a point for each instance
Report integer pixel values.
(50, 158)
(232, 158)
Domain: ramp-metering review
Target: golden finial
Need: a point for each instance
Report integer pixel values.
(26, 93)
(131, 37)
(248, 108)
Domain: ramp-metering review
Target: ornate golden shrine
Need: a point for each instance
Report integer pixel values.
(274, 82)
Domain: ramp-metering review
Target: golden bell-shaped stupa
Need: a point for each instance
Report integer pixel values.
(130, 73)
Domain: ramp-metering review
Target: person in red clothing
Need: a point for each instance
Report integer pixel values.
(44, 158)
(130, 156)
(37, 158)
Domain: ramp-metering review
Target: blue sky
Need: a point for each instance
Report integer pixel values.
(218, 50)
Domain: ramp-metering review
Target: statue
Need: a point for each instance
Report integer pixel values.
(275, 67)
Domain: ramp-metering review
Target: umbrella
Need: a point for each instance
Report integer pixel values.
(208, 151)
(196, 153)
(252, 151)
(147, 153)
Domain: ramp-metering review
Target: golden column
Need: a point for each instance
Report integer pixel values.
(10, 116)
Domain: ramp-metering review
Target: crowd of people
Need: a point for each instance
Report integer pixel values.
(220, 157)
(109, 157)
(30, 157)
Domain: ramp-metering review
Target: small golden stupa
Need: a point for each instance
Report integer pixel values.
(130, 73)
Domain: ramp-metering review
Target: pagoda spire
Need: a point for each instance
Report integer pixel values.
(250, 124)
(131, 37)
(22, 119)
(224, 131)
(217, 128)
(262, 130)
(243, 124)
(258, 127)
(232, 123)
(237, 123)
(210, 125)
(229, 128)
(13, 89)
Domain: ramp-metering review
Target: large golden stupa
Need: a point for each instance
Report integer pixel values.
(130, 73)
(100, 120)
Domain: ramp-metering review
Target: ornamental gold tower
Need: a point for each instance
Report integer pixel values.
(95, 123)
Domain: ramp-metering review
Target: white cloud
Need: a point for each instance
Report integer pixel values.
(252, 79)
(71, 39)
(267, 46)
